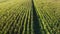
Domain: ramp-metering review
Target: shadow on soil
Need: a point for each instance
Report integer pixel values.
(36, 24)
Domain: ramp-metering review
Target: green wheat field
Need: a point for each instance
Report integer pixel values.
(29, 16)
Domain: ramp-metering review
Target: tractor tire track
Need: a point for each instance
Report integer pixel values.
(36, 22)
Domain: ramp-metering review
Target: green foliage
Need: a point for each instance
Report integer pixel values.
(49, 13)
(29, 17)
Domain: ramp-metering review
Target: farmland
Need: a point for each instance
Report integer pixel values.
(29, 17)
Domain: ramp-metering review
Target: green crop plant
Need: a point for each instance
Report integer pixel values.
(29, 16)
(48, 11)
